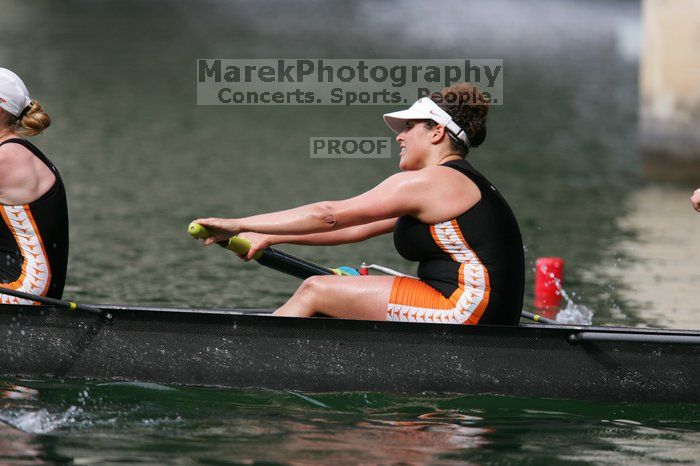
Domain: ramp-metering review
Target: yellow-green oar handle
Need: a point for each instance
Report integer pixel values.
(234, 243)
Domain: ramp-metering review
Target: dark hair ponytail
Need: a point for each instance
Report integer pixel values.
(468, 107)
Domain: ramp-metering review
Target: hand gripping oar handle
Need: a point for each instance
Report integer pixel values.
(70, 305)
(234, 243)
(269, 257)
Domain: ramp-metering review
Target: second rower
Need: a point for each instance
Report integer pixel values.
(33, 209)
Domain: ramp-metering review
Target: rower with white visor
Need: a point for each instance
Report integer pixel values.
(443, 214)
(426, 109)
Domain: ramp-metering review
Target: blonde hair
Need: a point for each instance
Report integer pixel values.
(32, 121)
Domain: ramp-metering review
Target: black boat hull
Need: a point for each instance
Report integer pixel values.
(230, 348)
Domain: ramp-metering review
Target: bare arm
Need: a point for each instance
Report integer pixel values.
(431, 195)
(259, 241)
(343, 236)
(400, 194)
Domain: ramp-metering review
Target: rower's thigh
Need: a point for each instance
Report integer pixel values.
(364, 298)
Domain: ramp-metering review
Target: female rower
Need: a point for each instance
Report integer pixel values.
(444, 214)
(33, 210)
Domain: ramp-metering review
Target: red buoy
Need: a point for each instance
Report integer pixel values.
(549, 275)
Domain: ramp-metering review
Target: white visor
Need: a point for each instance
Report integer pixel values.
(425, 109)
(14, 97)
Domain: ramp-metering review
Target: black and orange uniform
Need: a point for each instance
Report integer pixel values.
(34, 240)
(471, 268)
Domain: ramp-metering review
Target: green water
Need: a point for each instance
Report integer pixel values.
(114, 423)
(141, 160)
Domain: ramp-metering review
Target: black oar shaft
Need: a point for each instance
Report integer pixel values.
(537, 318)
(291, 265)
(53, 302)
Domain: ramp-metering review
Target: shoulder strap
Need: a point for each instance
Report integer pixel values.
(7, 141)
(470, 172)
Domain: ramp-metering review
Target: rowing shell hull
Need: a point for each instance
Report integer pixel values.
(235, 348)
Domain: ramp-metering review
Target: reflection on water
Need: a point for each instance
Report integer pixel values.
(20, 421)
(118, 423)
(17, 447)
(655, 445)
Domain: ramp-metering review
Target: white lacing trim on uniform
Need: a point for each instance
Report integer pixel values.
(36, 271)
(473, 282)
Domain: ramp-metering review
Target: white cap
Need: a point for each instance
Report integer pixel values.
(14, 96)
(425, 109)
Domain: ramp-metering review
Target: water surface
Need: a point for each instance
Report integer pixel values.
(117, 423)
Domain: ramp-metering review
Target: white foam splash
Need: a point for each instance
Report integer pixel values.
(41, 421)
(573, 313)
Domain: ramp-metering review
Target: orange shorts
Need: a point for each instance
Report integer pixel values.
(412, 300)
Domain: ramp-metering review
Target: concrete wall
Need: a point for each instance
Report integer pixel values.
(670, 90)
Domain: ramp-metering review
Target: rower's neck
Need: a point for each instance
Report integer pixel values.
(6, 134)
(449, 158)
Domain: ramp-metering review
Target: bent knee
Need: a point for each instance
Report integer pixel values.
(315, 284)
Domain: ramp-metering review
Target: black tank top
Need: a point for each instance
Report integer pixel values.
(480, 251)
(34, 240)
